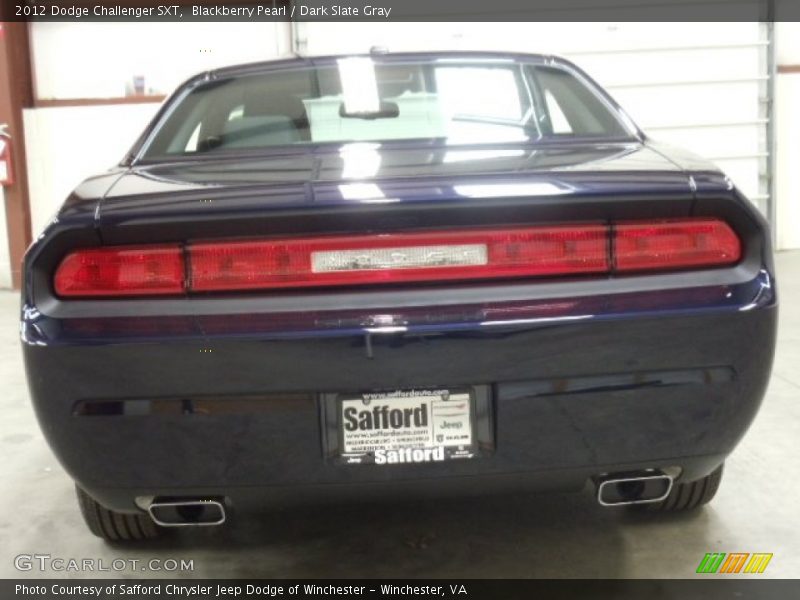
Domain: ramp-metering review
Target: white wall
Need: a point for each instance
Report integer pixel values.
(65, 145)
(97, 60)
(5, 259)
(787, 129)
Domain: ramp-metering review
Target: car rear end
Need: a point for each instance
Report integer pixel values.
(198, 334)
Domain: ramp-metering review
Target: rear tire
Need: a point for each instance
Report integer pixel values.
(115, 526)
(691, 495)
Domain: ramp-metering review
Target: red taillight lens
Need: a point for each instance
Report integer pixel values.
(477, 254)
(402, 257)
(121, 271)
(674, 244)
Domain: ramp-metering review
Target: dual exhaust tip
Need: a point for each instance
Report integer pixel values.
(201, 512)
(641, 487)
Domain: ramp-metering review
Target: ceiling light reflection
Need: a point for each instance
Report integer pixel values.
(360, 161)
(512, 190)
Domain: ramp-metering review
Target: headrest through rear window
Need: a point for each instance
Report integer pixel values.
(281, 96)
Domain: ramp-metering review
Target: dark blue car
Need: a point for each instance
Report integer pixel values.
(396, 274)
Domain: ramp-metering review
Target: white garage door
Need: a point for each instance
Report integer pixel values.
(701, 86)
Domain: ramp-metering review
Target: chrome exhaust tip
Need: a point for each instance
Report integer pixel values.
(642, 487)
(187, 513)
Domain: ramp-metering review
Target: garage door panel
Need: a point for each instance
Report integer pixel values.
(646, 68)
(566, 38)
(745, 174)
(713, 143)
(679, 106)
(594, 37)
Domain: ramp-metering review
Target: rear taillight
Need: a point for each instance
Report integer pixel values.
(122, 271)
(674, 244)
(403, 257)
(477, 254)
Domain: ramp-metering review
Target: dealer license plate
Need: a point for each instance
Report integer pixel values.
(407, 426)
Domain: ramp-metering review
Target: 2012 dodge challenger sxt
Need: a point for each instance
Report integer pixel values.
(395, 274)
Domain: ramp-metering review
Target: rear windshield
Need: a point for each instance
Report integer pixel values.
(357, 100)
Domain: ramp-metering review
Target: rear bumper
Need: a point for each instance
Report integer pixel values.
(580, 387)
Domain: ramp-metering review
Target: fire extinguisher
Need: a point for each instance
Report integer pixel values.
(6, 173)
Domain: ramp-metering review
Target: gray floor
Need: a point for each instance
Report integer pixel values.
(530, 536)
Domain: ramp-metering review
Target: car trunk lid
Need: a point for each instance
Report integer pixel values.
(365, 187)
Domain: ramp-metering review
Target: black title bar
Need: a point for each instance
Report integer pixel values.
(399, 10)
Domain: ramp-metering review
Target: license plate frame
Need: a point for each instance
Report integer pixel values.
(481, 420)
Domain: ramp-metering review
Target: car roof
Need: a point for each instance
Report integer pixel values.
(383, 57)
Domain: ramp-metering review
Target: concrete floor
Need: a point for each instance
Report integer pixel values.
(522, 536)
